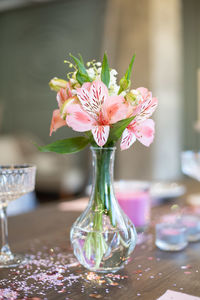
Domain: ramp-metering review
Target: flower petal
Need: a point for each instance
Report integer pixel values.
(92, 97)
(83, 95)
(86, 85)
(78, 119)
(145, 93)
(56, 121)
(100, 134)
(128, 138)
(115, 109)
(64, 94)
(147, 109)
(98, 93)
(144, 132)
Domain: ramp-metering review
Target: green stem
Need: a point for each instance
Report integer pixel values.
(102, 204)
(103, 187)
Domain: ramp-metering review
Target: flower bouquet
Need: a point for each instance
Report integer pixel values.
(92, 102)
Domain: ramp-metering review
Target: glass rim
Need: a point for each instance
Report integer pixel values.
(103, 148)
(177, 226)
(12, 167)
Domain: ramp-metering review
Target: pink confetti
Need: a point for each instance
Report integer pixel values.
(137, 271)
(53, 269)
(7, 293)
(186, 267)
(150, 258)
(97, 296)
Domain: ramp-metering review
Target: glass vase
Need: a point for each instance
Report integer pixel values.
(103, 237)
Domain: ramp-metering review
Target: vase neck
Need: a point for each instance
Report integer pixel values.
(103, 167)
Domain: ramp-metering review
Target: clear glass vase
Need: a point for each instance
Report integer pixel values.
(103, 237)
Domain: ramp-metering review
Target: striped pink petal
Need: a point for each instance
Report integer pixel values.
(56, 121)
(128, 138)
(100, 134)
(147, 109)
(78, 119)
(83, 95)
(98, 93)
(92, 97)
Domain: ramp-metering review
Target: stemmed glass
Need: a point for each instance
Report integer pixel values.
(15, 181)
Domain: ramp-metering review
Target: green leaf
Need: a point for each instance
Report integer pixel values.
(70, 145)
(81, 58)
(105, 72)
(117, 130)
(125, 81)
(82, 75)
(129, 70)
(79, 64)
(81, 78)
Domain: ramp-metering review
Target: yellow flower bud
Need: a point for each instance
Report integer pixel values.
(124, 84)
(56, 84)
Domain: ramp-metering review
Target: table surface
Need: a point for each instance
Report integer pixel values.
(55, 274)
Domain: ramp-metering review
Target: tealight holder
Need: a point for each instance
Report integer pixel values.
(171, 237)
(192, 225)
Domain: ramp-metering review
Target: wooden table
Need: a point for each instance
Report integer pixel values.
(147, 276)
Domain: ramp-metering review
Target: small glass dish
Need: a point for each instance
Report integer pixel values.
(192, 224)
(171, 237)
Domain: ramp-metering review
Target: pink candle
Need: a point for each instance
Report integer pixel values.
(136, 205)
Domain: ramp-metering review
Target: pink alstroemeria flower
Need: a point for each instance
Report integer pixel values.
(96, 111)
(144, 132)
(56, 121)
(141, 127)
(63, 96)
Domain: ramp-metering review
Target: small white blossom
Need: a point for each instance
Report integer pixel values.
(74, 92)
(113, 72)
(113, 89)
(99, 70)
(73, 81)
(91, 73)
(137, 94)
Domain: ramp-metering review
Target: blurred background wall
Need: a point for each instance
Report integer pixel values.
(36, 37)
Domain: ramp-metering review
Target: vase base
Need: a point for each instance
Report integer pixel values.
(14, 261)
(108, 270)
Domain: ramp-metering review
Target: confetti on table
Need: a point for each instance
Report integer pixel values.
(51, 270)
(150, 258)
(186, 267)
(7, 293)
(97, 296)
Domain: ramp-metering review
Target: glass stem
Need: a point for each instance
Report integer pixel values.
(5, 249)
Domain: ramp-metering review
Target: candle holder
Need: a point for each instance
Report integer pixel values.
(134, 198)
(192, 225)
(171, 237)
